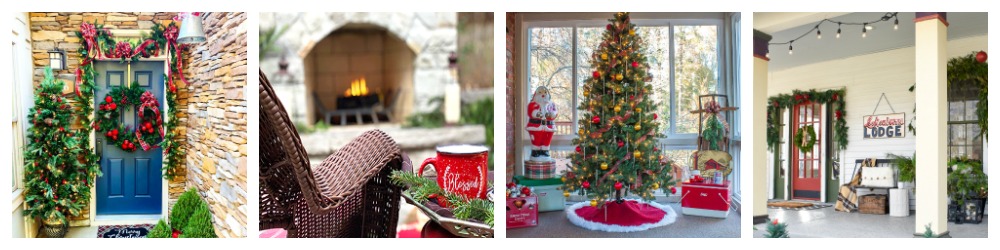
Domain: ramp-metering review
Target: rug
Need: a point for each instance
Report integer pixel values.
(124, 231)
(628, 216)
(796, 206)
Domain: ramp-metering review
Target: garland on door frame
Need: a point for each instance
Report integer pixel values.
(972, 69)
(99, 43)
(834, 98)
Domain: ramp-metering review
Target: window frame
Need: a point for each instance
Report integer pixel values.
(966, 92)
(673, 140)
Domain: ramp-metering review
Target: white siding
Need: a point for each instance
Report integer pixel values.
(866, 77)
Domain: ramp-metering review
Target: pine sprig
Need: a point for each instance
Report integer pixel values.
(421, 189)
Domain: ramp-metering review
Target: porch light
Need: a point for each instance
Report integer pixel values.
(864, 30)
(819, 35)
(57, 59)
(191, 28)
(453, 64)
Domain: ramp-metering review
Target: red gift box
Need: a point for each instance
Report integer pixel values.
(522, 212)
(705, 199)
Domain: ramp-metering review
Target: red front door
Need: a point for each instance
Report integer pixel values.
(806, 168)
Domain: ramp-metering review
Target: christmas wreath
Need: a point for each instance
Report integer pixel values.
(149, 131)
(805, 138)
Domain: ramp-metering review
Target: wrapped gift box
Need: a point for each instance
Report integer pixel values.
(549, 192)
(522, 212)
(705, 199)
(539, 170)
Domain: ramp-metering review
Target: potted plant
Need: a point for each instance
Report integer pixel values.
(906, 168)
(967, 189)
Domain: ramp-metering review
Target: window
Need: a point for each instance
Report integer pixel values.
(684, 56)
(963, 123)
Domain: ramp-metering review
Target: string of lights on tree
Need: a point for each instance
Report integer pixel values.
(866, 26)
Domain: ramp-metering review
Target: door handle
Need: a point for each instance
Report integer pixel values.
(100, 149)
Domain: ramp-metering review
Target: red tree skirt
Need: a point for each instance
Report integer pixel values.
(629, 216)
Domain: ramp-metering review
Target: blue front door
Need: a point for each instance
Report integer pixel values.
(131, 182)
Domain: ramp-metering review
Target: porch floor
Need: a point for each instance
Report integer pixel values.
(555, 225)
(827, 223)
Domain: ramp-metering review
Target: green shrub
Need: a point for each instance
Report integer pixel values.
(161, 230)
(200, 224)
(185, 207)
(907, 167)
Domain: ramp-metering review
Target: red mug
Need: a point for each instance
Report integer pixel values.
(461, 169)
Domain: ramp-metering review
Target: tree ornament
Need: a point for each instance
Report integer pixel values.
(566, 194)
(637, 154)
(619, 76)
(604, 56)
(596, 120)
(635, 64)
(618, 185)
(621, 144)
(608, 27)
(526, 191)
(593, 202)
(604, 166)
(638, 110)
(618, 108)
(631, 32)
(673, 190)
(656, 186)
(981, 57)
(586, 185)
(638, 127)
(597, 74)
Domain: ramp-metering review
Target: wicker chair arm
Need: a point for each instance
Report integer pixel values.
(345, 172)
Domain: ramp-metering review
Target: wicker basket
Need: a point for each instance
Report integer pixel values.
(874, 204)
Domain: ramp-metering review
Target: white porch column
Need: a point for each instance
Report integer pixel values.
(931, 73)
(759, 122)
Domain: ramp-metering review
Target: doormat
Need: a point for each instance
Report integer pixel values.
(124, 231)
(794, 205)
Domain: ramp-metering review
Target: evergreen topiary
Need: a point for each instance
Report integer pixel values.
(161, 230)
(776, 230)
(200, 224)
(185, 207)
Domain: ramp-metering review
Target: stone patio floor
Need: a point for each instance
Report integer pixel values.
(827, 223)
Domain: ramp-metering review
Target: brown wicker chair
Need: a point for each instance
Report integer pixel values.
(348, 195)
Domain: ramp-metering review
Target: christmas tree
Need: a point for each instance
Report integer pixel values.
(57, 171)
(616, 153)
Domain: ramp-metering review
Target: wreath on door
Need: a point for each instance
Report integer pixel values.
(148, 132)
(805, 138)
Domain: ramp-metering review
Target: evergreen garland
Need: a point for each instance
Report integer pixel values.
(833, 98)
(966, 70)
(422, 190)
(171, 144)
(57, 170)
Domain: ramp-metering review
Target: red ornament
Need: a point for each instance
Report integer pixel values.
(578, 149)
(655, 117)
(173, 88)
(673, 190)
(586, 185)
(108, 99)
(608, 27)
(981, 57)
(597, 74)
(836, 96)
(839, 114)
(175, 234)
(774, 222)
(596, 120)
(526, 191)
(510, 185)
(621, 144)
(112, 106)
(635, 64)
(618, 185)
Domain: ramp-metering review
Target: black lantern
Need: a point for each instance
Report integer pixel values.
(453, 64)
(57, 59)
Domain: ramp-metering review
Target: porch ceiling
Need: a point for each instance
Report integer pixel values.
(785, 26)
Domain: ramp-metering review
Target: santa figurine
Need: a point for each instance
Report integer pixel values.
(541, 124)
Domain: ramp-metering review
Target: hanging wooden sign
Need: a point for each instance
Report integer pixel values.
(885, 126)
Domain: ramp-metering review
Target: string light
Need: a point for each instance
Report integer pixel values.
(894, 16)
(838, 30)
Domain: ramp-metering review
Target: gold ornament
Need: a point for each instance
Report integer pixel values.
(619, 76)
(581, 134)
(638, 127)
(593, 203)
(604, 166)
(637, 154)
(586, 92)
(593, 102)
(618, 108)
(631, 32)
(566, 194)
(661, 157)
(638, 110)
(604, 56)
(563, 179)
(656, 186)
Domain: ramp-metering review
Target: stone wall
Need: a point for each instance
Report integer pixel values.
(216, 122)
(475, 50)
(58, 30)
(510, 90)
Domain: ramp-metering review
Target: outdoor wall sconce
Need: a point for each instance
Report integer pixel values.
(57, 59)
(191, 28)
(452, 93)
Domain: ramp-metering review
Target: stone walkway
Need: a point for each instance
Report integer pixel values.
(418, 143)
(827, 223)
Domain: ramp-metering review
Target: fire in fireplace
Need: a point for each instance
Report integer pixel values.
(357, 96)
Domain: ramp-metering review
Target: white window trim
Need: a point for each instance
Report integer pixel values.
(674, 141)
